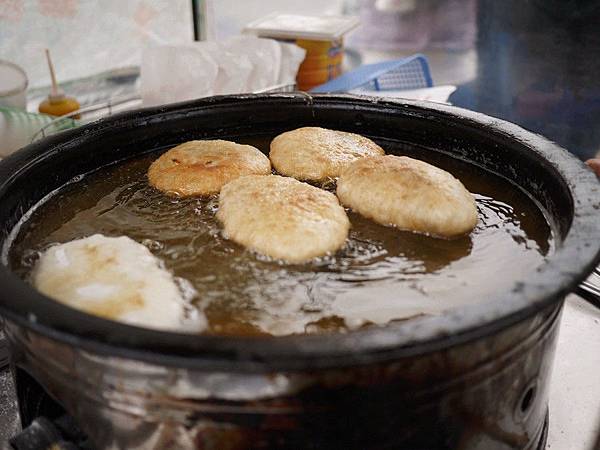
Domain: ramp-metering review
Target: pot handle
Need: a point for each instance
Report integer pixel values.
(589, 290)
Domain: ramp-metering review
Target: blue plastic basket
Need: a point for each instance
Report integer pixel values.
(406, 73)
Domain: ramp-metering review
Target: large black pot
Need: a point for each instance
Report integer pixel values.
(475, 378)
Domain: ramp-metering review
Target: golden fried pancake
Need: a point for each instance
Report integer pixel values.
(282, 218)
(409, 194)
(314, 154)
(115, 278)
(203, 167)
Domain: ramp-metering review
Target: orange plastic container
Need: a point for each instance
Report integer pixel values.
(322, 63)
(321, 37)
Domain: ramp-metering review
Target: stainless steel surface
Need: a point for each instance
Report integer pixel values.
(495, 388)
(575, 391)
(590, 288)
(573, 383)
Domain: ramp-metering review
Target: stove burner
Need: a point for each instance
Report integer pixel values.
(63, 434)
(544, 436)
(47, 426)
(42, 434)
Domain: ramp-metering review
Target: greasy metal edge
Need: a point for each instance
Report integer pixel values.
(564, 270)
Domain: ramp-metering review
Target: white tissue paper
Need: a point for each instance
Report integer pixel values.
(265, 60)
(241, 64)
(176, 73)
(291, 58)
(234, 68)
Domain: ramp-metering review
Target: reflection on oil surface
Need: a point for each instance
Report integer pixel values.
(382, 274)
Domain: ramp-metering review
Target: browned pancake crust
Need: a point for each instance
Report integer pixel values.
(409, 194)
(200, 168)
(315, 154)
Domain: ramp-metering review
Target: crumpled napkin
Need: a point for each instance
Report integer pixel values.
(242, 64)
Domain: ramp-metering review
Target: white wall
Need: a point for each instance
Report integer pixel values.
(233, 15)
(87, 36)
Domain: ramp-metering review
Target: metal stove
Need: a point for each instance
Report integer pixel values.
(45, 423)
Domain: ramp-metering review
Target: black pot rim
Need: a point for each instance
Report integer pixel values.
(23, 306)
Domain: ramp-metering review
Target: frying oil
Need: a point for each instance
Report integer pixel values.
(382, 274)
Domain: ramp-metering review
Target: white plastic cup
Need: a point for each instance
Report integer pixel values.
(13, 85)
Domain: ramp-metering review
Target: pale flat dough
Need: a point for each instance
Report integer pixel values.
(116, 278)
(315, 154)
(201, 168)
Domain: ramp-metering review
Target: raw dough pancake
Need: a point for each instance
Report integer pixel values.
(314, 154)
(282, 218)
(203, 167)
(409, 194)
(118, 279)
